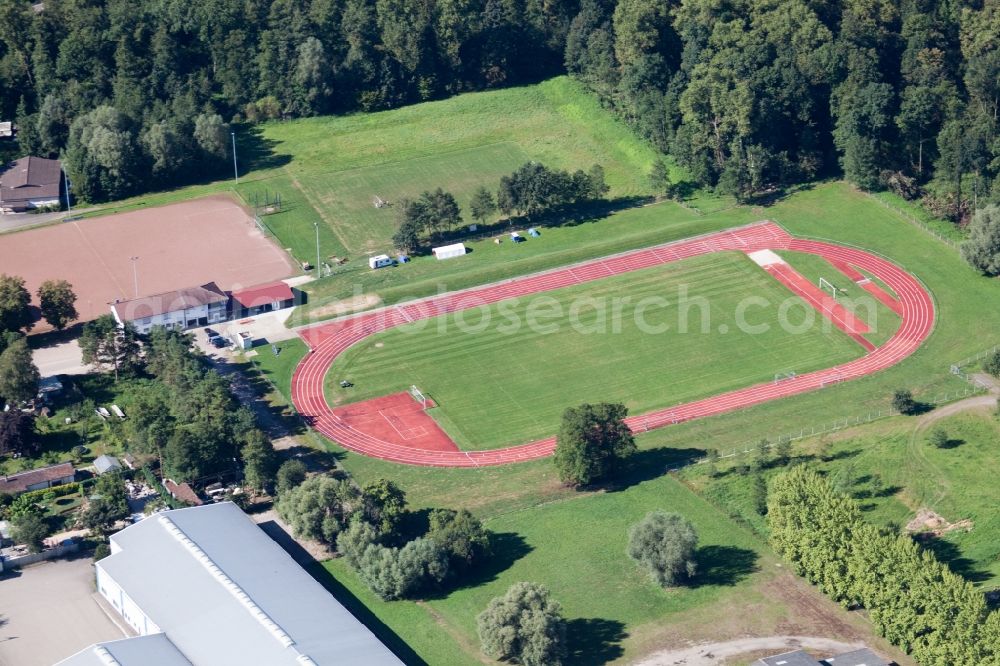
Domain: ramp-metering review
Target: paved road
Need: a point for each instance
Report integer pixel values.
(48, 612)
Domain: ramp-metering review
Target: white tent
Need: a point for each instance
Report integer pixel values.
(449, 251)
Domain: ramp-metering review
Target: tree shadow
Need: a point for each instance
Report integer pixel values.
(952, 443)
(594, 640)
(365, 615)
(648, 464)
(950, 554)
(723, 565)
(314, 459)
(257, 151)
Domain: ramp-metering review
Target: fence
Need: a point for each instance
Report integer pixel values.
(916, 222)
(32, 558)
(974, 387)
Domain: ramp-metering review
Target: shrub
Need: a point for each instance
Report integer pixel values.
(992, 364)
(939, 438)
(903, 402)
(524, 625)
(665, 544)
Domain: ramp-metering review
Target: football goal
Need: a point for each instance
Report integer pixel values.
(826, 285)
(419, 396)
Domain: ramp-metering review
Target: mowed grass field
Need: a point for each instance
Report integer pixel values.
(503, 374)
(338, 164)
(344, 198)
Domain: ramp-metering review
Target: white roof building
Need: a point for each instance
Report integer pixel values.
(222, 593)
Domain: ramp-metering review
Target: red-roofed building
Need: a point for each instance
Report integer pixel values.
(262, 298)
(37, 479)
(182, 492)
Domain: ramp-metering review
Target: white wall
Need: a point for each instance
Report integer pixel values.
(122, 603)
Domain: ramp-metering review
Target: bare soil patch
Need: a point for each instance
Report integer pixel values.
(187, 244)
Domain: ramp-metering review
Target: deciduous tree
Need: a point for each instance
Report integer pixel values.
(18, 374)
(525, 625)
(15, 313)
(57, 303)
(592, 443)
(664, 544)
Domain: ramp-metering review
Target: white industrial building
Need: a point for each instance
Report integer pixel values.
(181, 309)
(205, 586)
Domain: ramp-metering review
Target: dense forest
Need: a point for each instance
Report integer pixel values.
(747, 95)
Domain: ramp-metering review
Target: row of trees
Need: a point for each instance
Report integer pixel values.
(532, 189)
(912, 599)
(366, 526)
(746, 94)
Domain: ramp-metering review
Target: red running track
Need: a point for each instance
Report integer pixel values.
(327, 341)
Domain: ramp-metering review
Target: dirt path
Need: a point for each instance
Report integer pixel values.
(712, 654)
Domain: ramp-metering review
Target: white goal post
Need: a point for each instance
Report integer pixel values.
(418, 396)
(826, 285)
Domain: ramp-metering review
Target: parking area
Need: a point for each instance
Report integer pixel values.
(49, 611)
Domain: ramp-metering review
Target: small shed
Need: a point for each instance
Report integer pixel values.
(242, 340)
(104, 464)
(449, 251)
(515, 237)
(379, 261)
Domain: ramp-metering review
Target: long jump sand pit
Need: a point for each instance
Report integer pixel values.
(212, 239)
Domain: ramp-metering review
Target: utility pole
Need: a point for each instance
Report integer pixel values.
(319, 273)
(69, 207)
(135, 275)
(236, 173)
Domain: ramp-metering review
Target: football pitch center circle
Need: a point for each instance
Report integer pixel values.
(328, 341)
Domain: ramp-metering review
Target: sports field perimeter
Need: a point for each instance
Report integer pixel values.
(497, 383)
(177, 246)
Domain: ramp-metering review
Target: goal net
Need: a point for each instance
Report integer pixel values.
(418, 396)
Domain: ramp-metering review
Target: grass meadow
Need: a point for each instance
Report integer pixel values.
(499, 380)
(893, 470)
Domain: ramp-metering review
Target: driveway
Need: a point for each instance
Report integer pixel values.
(49, 612)
(63, 358)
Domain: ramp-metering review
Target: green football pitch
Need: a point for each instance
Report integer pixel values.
(498, 380)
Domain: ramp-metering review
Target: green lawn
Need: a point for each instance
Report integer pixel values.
(345, 198)
(893, 471)
(336, 165)
(505, 373)
(882, 321)
(609, 601)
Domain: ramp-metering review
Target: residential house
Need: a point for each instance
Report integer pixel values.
(30, 182)
(37, 479)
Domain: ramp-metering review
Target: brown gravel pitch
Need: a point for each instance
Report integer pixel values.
(180, 245)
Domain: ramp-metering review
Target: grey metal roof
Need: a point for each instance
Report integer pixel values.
(795, 658)
(152, 650)
(226, 594)
(862, 657)
(106, 463)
